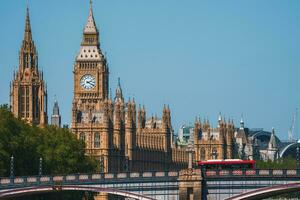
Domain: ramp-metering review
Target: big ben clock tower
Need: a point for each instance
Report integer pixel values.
(90, 70)
(91, 106)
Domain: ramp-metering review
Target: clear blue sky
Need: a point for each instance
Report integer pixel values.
(200, 57)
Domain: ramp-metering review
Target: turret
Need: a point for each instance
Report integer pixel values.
(119, 93)
(272, 143)
(242, 124)
(221, 128)
(56, 118)
(165, 119)
(28, 54)
(118, 125)
(130, 114)
(273, 147)
(229, 139)
(108, 112)
(167, 128)
(133, 110)
(169, 117)
(28, 91)
(130, 131)
(141, 118)
(206, 128)
(197, 130)
(118, 117)
(219, 120)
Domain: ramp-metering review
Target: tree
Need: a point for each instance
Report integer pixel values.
(62, 153)
(282, 163)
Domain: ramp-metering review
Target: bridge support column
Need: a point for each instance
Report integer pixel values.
(190, 184)
(105, 196)
(101, 196)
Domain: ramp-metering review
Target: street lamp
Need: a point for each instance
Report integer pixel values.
(126, 163)
(297, 158)
(41, 166)
(12, 166)
(101, 164)
(190, 150)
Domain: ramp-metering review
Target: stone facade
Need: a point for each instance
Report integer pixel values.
(214, 143)
(228, 142)
(28, 94)
(115, 132)
(256, 144)
(190, 184)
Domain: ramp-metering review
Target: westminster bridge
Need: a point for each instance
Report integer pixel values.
(186, 184)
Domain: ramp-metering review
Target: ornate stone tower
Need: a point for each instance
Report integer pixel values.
(55, 117)
(28, 95)
(92, 110)
(272, 151)
(110, 128)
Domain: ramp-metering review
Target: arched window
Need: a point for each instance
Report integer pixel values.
(82, 136)
(200, 135)
(202, 154)
(97, 140)
(79, 117)
(214, 153)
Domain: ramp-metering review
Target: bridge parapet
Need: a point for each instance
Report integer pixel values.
(251, 173)
(101, 178)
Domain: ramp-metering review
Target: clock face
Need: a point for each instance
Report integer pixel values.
(87, 82)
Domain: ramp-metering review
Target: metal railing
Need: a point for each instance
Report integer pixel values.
(252, 173)
(102, 178)
(138, 177)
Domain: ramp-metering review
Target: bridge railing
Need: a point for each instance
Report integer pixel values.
(8, 182)
(252, 173)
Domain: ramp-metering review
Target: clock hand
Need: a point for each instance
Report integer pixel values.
(90, 83)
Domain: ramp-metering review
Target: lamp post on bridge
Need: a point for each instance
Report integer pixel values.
(40, 166)
(190, 150)
(11, 166)
(101, 164)
(126, 164)
(297, 158)
(190, 180)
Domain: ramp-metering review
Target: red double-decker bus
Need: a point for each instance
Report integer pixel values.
(226, 164)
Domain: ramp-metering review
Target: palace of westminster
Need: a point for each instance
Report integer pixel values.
(118, 133)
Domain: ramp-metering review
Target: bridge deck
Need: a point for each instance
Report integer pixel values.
(217, 184)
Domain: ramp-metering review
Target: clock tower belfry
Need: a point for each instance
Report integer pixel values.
(90, 69)
(92, 109)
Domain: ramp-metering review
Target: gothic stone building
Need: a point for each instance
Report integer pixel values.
(116, 132)
(228, 142)
(214, 143)
(256, 144)
(28, 94)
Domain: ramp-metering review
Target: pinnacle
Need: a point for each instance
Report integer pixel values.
(90, 26)
(27, 33)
